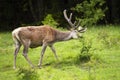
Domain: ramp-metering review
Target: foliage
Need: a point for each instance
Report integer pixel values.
(87, 53)
(49, 20)
(90, 11)
(32, 12)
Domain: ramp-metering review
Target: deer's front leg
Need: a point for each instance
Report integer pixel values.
(25, 51)
(42, 53)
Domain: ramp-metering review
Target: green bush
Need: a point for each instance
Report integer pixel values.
(90, 11)
(87, 53)
(49, 20)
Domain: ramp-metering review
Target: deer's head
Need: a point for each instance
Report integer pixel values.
(75, 27)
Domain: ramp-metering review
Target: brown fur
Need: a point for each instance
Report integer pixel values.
(34, 36)
(39, 35)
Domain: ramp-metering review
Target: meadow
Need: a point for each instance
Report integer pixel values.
(96, 56)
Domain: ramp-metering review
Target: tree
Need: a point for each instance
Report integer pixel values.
(37, 10)
(115, 10)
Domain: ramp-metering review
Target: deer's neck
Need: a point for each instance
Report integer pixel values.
(63, 36)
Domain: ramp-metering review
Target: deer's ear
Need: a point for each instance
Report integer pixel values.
(80, 27)
(82, 30)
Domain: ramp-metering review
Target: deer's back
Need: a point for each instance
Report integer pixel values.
(37, 35)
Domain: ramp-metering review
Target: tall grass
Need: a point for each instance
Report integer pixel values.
(94, 57)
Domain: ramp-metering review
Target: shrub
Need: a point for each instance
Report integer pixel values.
(90, 11)
(87, 53)
(49, 20)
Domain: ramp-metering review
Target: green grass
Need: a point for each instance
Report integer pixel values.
(104, 64)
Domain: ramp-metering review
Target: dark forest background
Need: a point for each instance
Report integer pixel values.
(15, 13)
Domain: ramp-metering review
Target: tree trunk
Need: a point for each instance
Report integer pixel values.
(32, 10)
(40, 10)
(114, 11)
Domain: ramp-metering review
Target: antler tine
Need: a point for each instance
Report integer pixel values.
(68, 19)
(77, 24)
(74, 22)
(70, 16)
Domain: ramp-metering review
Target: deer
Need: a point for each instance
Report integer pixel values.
(44, 35)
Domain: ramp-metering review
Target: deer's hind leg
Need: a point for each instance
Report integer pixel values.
(17, 48)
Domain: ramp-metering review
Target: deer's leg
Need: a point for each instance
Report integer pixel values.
(25, 51)
(42, 54)
(17, 48)
(54, 51)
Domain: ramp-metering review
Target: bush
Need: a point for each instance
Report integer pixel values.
(49, 20)
(87, 53)
(90, 11)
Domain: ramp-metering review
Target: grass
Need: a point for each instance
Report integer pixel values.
(103, 63)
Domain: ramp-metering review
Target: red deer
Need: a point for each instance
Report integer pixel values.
(34, 36)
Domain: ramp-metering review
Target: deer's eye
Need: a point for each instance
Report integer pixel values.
(76, 31)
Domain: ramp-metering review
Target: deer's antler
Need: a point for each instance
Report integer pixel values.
(73, 25)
